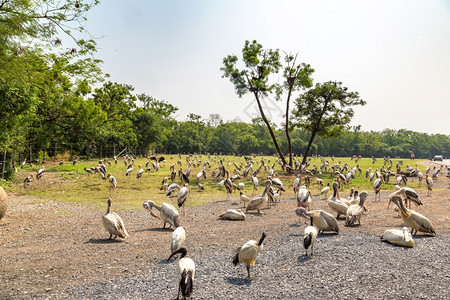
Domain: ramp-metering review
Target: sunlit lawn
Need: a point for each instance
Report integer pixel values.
(71, 183)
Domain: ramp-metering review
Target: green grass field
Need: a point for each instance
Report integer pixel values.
(71, 183)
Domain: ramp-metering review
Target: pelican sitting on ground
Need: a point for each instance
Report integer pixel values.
(259, 202)
(186, 273)
(413, 219)
(398, 237)
(309, 239)
(167, 212)
(113, 223)
(321, 219)
(335, 204)
(178, 238)
(355, 211)
(248, 253)
(377, 188)
(303, 197)
(233, 214)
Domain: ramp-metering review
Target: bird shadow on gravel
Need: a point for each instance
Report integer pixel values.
(419, 237)
(303, 258)
(102, 241)
(166, 262)
(326, 235)
(239, 281)
(159, 229)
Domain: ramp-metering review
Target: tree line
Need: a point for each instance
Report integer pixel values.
(56, 99)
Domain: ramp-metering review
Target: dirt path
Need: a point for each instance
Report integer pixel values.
(49, 249)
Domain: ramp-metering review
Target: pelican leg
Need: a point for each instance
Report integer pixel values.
(248, 271)
(164, 225)
(110, 236)
(312, 250)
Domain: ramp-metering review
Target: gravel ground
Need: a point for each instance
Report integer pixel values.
(59, 250)
(351, 266)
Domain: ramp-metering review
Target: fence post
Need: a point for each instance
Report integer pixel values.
(3, 165)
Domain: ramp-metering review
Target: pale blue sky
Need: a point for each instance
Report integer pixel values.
(396, 54)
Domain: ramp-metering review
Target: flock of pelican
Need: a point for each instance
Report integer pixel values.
(351, 209)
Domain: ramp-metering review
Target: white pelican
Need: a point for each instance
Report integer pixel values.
(321, 219)
(259, 202)
(409, 194)
(113, 223)
(413, 219)
(398, 237)
(335, 204)
(167, 212)
(355, 211)
(303, 197)
(233, 214)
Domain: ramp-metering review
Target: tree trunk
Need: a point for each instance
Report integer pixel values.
(313, 133)
(305, 156)
(263, 116)
(4, 165)
(286, 127)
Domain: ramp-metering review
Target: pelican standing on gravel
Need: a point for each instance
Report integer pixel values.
(186, 273)
(355, 211)
(398, 237)
(413, 219)
(303, 197)
(335, 204)
(321, 219)
(309, 238)
(259, 202)
(167, 212)
(113, 223)
(409, 194)
(248, 253)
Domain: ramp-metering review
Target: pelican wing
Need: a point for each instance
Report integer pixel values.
(330, 219)
(423, 222)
